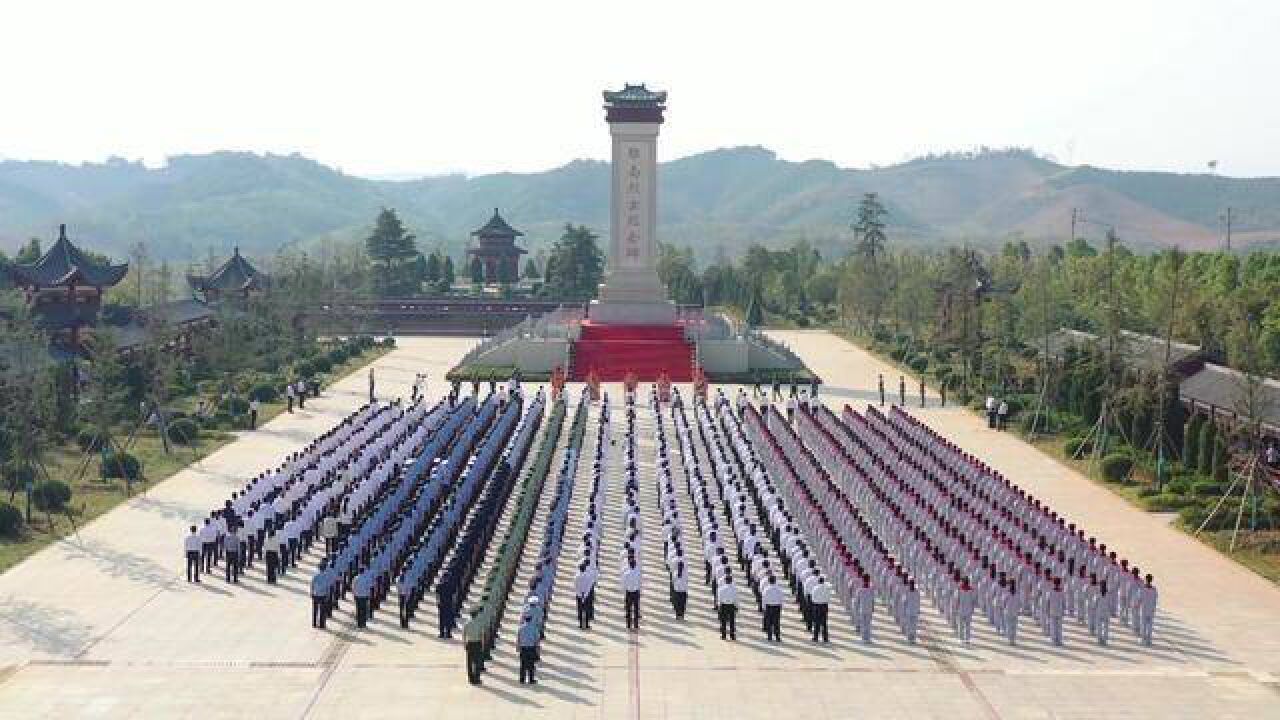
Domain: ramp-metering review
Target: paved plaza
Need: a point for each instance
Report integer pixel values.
(103, 624)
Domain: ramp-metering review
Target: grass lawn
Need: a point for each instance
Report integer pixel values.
(91, 496)
(1259, 551)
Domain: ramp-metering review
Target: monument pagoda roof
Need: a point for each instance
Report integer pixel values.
(236, 273)
(64, 265)
(496, 228)
(635, 96)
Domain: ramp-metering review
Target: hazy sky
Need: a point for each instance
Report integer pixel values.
(478, 86)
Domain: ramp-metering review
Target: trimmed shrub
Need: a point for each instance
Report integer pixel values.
(919, 363)
(121, 465)
(304, 368)
(1180, 486)
(1206, 488)
(10, 520)
(89, 440)
(51, 496)
(1168, 502)
(184, 431)
(235, 405)
(264, 392)
(1077, 447)
(1147, 491)
(1116, 467)
(321, 364)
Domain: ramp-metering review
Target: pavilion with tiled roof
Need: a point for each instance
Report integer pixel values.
(64, 289)
(237, 277)
(495, 246)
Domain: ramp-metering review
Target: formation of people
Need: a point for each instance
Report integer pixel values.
(865, 511)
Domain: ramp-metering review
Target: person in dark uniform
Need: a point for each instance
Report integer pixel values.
(902, 390)
(882, 390)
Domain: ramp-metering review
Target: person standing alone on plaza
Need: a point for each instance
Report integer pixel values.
(902, 390)
(372, 397)
(192, 545)
(527, 638)
(881, 390)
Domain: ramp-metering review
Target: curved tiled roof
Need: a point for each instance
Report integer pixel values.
(496, 227)
(236, 273)
(65, 264)
(635, 96)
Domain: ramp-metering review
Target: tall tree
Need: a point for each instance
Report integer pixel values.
(868, 227)
(576, 265)
(390, 246)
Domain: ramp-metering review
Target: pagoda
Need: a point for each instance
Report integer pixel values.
(236, 278)
(497, 251)
(64, 290)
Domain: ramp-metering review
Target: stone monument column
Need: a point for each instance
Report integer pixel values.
(631, 293)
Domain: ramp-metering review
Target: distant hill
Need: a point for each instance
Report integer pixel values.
(723, 199)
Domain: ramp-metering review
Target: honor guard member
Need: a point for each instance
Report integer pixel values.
(881, 383)
(192, 545)
(727, 608)
(902, 390)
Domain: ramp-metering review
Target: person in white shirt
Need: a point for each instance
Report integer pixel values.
(254, 406)
(192, 545)
(288, 391)
(772, 597)
(680, 589)
(631, 588)
(329, 531)
(208, 543)
(727, 608)
(819, 598)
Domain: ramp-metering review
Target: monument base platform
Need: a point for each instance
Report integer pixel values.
(616, 312)
(613, 351)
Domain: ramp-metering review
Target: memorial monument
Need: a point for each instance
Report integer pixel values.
(633, 330)
(632, 293)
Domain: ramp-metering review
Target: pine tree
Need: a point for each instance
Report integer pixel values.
(1208, 434)
(447, 275)
(868, 227)
(755, 309)
(432, 271)
(388, 246)
(1220, 457)
(477, 271)
(530, 269)
(1191, 442)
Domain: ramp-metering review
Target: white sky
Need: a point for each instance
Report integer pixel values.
(429, 86)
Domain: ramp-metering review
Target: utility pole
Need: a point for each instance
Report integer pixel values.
(1228, 229)
(1074, 211)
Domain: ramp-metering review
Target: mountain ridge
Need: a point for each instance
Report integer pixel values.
(720, 199)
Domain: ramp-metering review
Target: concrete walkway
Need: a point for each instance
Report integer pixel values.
(104, 625)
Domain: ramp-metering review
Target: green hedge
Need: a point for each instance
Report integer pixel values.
(10, 520)
(1116, 467)
(121, 465)
(264, 392)
(51, 495)
(184, 431)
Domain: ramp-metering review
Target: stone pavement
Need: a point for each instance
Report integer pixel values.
(103, 624)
